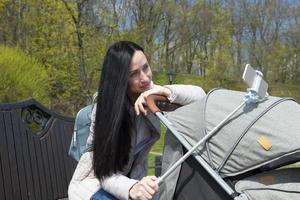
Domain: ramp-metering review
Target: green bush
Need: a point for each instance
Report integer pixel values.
(22, 77)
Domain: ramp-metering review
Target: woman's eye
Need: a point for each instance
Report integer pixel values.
(145, 67)
(133, 74)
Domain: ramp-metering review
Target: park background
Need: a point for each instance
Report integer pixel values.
(52, 50)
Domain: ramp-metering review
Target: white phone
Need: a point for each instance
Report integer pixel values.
(255, 81)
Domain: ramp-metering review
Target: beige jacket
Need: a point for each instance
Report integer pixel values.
(84, 183)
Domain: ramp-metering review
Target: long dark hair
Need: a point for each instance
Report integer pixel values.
(112, 138)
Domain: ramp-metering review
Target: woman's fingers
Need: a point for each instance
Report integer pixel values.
(150, 185)
(144, 189)
(139, 104)
(153, 183)
(142, 103)
(149, 190)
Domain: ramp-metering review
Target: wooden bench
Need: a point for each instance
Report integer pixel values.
(34, 144)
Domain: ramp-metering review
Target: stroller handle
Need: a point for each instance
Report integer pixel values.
(151, 102)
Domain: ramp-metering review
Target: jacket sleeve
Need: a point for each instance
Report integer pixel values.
(84, 183)
(118, 185)
(185, 94)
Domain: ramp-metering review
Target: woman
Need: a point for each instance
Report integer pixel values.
(121, 137)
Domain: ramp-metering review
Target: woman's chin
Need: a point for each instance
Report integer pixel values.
(144, 89)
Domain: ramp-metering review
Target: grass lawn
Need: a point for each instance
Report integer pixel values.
(157, 149)
(295, 165)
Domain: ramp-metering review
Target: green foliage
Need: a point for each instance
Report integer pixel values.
(285, 90)
(160, 78)
(3, 4)
(208, 83)
(22, 77)
(213, 38)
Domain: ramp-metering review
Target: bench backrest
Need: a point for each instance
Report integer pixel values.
(34, 161)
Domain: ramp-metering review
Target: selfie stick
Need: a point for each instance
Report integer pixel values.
(257, 92)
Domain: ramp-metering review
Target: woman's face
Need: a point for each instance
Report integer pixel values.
(140, 75)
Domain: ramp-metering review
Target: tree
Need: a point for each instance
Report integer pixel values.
(76, 13)
(146, 16)
(22, 77)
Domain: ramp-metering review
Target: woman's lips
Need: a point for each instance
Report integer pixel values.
(146, 86)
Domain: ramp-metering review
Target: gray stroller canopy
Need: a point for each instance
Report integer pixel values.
(257, 135)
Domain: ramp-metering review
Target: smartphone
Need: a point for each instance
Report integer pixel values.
(255, 81)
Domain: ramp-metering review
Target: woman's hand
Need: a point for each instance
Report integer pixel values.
(145, 189)
(141, 100)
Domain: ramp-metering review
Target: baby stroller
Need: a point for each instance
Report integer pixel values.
(241, 158)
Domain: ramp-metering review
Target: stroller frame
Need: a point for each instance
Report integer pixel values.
(257, 92)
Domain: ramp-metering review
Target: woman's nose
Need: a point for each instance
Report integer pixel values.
(144, 76)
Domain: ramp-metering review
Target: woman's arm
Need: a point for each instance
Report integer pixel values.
(84, 182)
(124, 188)
(179, 94)
(118, 185)
(185, 94)
(144, 189)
